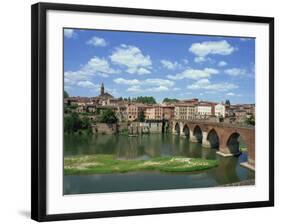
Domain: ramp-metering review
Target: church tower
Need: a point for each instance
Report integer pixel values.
(102, 90)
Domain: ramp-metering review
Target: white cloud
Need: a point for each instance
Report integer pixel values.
(127, 81)
(199, 59)
(87, 84)
(222, 63)
(207, 85)
(98, 65)
(145, 82)
(139, 71)
(97, 41)
(230, 94)
(170, 65)
(211, 47)
(138, 89)
(194, 74)
(233, 94)
(147, 85)
(69, 33)
(94, 67)
(235, 72)
(132, 58)
(160, 82)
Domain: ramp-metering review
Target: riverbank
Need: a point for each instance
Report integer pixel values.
(240, 183)
(102, 164)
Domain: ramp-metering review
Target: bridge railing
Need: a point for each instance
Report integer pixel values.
(220, 124)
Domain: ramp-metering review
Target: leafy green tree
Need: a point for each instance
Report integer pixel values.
(170, 100)
(108, 116)
(250, 120)
(72, 123)
(65, 94)
(141, 117)
(145, 99)
(227, 102)
(86, 122)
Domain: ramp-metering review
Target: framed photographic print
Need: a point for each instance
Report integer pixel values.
(139, 111)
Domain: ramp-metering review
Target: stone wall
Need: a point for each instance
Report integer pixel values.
(122, 126)
(103, 128)
(155, 127)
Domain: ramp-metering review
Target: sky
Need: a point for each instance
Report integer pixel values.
(182, 66)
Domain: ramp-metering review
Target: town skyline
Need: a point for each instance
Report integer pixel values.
(133, 64)
(162, 101)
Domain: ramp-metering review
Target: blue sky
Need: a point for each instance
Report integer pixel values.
(161, 65)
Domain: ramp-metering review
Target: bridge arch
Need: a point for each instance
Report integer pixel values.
(198, 133)
(213, 138)
(233, 143)
(186, 131)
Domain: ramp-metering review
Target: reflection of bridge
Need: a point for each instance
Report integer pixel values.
(218, 135)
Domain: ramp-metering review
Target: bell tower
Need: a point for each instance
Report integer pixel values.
(102, 89)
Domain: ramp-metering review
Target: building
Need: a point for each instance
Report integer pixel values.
(154, 112)
(204, 110)
(220, 110)
(185, 112)
(250, 109)
(80, 109)
(91, 108)
(168, 112)
(103, 97)
(193, 101)
(121, 112)
(104, 94)
(240, 116)
(132, 112)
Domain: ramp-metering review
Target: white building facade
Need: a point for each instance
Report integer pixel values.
(220, 110)
(185, 112)
(204, 110)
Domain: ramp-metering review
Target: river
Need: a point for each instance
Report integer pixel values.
(145, 147)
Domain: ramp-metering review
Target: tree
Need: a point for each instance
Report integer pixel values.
(141, 116)
(170, 100)
(65, 94)
(108, 116)
(86, 122)
(72, 123)
(227, 102)
(250, 120)
(145, 99)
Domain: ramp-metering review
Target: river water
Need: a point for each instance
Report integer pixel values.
(145, 147)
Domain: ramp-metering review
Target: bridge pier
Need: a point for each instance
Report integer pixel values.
(181, 130)
(224, 151)
(183, 135)
(250, 164)
(192, 137)
(205, 142)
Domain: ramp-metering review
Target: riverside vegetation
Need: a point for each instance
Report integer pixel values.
(102, 164)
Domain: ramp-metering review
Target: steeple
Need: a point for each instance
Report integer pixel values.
(102, 89)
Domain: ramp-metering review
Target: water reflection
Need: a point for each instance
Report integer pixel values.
(145, 147)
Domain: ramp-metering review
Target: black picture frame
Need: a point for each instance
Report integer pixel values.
(39, 108)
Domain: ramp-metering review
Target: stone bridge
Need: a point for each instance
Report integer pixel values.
(222, 136)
